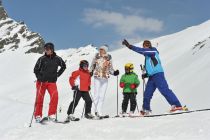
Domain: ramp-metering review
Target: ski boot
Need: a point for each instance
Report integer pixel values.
(145, 112)
(52, 118)
(38, 119)
(89, 116)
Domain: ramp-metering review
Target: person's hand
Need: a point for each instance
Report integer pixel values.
(122, 85)
(75, 88)
(133, 86)
(116, 72)
(91, 73)
(125, 42)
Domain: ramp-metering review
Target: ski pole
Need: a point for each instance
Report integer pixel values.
(143, 72)
(56, 116)
(117, 98)
(35, 104)
(137, 107)
(75, 95)
(83, 111)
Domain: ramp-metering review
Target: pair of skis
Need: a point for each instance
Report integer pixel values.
(170, 114)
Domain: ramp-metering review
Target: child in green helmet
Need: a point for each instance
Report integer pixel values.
(129, 82)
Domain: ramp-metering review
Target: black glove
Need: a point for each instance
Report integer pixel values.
(75, 88)
(125, 42)
(145, 75)
(91, 73)
(116, 72)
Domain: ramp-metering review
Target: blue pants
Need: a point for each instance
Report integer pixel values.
(158, 81)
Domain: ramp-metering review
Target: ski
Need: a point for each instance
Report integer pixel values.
(68, 121)
(63, 122)
(104, 117)
(99, 117)
(174, 113)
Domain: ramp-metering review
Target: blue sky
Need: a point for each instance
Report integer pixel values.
(75, 23)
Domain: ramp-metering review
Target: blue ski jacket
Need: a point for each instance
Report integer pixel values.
(152, 59)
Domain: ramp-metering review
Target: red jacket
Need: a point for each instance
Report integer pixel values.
(80, 78)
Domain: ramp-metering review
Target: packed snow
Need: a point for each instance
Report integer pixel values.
(186, 62)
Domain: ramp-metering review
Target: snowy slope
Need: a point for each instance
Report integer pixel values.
(184, 57)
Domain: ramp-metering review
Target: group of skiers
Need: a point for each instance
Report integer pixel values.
(47, 72)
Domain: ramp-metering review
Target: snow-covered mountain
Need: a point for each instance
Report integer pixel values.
(185, 59)
(15, 35)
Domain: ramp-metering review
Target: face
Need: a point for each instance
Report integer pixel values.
(146, 45)
(48, 51)
(85, 67)
(102, 51)
(128, 70)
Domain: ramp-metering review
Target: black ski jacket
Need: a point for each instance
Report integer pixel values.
(46, 68)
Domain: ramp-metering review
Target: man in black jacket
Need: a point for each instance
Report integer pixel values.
(46, 71)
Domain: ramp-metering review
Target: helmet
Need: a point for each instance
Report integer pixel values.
(83, 63)
(49, 46)
(129, 67)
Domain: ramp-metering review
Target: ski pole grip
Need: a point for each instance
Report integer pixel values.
(141, 67)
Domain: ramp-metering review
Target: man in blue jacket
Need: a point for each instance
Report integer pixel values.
(154, 71)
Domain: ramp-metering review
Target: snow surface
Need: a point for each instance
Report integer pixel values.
(185, 57)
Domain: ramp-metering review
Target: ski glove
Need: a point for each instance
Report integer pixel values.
(75, 88)
(133, 86)
(122, 85)
(125, 42)
(116, 72)
(91, 73)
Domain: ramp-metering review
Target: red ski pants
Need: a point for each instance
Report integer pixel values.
(41, 87)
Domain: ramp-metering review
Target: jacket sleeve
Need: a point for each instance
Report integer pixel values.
(111, 69)
(137, 82)
(144, 51)
(62, 65)
(73, 77)
(89, 82)
(122, 79)
(37, 68)
(93, 64)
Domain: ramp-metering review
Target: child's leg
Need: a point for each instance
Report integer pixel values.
(88, 102)
(125, 102)
(76, 98)
(132, 102)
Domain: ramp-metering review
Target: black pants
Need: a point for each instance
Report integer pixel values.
(77, 95)
(126, 98)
